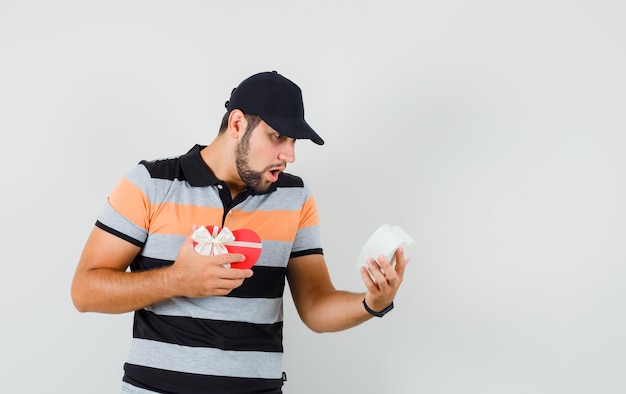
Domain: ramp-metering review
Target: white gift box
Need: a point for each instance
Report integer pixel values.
(384, 242)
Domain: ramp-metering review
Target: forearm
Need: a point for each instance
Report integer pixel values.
(323, 308)
(110, 291)
(335, 311)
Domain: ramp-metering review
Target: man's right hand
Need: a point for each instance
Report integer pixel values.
(195, 275)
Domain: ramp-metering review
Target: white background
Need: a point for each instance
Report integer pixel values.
(491, 131)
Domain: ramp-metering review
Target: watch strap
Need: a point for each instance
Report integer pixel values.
(377, 314)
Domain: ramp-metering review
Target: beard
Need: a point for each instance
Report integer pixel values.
(255, 180)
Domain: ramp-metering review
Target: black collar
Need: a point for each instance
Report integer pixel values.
(198, 173)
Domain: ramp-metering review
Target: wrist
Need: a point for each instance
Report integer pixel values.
(377, 313)
(172, 282)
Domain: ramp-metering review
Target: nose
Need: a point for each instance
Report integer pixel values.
(288, 151)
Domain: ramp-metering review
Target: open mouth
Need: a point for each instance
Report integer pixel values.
(274, 175)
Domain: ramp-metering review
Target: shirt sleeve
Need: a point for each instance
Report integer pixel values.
(128, 209)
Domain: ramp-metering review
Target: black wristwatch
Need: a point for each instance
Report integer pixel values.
(377, 314)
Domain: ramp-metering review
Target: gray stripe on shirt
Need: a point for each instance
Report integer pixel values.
(205, 361)
(253, 310)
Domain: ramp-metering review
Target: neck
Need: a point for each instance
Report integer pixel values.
(220, 158)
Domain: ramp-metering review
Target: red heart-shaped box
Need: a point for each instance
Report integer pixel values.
(252, 252)
(247, 243)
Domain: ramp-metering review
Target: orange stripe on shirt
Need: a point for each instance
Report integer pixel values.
(309, 217)
(178, 218)
(268, 227)
(265, 223)
(128, 200)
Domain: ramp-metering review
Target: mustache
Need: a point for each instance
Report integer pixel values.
(279, 166)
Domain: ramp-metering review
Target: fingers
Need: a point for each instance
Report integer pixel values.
(367, 279)
(383, 278)
(222, 259)
(382, 271)
(221, 266)
(196, 275)
(382, 283)
(226, 259)
(401, 262)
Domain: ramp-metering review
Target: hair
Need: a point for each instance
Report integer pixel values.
(252, 120)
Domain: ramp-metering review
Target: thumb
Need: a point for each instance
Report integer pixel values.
(188, 243)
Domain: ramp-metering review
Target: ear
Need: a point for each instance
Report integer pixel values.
(237, 124)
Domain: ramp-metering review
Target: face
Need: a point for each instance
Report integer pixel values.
(262, 154)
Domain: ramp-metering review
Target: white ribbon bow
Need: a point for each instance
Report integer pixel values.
(209, 244)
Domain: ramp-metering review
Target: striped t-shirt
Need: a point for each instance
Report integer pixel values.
(230, 344)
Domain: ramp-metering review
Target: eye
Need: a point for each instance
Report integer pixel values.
(277, 135)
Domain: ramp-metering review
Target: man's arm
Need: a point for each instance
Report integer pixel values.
(101, 283)
(323, 308)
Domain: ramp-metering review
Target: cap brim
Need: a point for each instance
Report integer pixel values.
(294, 128)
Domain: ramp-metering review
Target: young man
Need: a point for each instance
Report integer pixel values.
(199, 326)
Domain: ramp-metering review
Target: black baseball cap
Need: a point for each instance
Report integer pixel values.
(277, 101)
